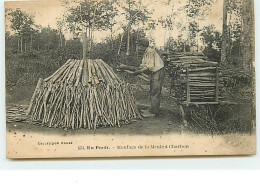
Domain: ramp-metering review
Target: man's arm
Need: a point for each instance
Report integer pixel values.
(141, 70)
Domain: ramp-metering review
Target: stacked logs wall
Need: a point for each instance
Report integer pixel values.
(204, 78)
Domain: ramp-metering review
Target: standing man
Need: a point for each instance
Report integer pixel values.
(153, 64)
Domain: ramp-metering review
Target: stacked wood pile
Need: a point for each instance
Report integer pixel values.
(83, 94)
(194, 78)
(16, 113)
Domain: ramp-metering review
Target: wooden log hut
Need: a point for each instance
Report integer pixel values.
(83, 94)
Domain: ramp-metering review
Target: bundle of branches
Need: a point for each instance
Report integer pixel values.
(83, 94)
(16, 113)
(203, 120)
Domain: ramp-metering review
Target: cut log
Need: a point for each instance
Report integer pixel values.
(37, 89)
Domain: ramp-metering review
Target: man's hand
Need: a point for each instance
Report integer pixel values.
(137, 72)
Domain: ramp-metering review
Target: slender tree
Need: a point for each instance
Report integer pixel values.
(135, 13)
(60, 24)
(86, 16)
(109, 18)
(196, 11)
(224, 33)
(24, 26)
(247, 34)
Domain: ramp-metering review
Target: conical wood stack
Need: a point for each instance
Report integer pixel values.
(83, 94)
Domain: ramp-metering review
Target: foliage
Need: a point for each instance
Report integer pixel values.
(89, 14)
(48, 39)
(24, 26)
(102, 15)
(45, 39)
(212, 54)
(136, 12)
(178, 45)
(21, 22)
(193, 33)
(117, 55)
(212, 39)
(197, 9)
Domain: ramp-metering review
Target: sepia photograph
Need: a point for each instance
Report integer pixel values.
(129, 78)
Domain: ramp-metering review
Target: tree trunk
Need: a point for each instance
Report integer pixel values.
(60, 44)
(247, 35)
(128, 29)
(230, 43)
(21, 44)
(84, 53)
(240, 41)
(31, 43)
(136, 44)
(111, 38)
(91, 41)
(132, 43)
(198, 42)
(18, 46)
(120, 44)
(61, 41)
(89, 36)
(169, 38)
(128, 39)
(224, 34)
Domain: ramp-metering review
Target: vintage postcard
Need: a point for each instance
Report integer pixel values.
(124, 78)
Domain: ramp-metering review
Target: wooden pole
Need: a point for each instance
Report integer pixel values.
(188, 84)
(217, 85)
(185, 123)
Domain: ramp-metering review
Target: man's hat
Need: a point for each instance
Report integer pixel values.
(143, 42)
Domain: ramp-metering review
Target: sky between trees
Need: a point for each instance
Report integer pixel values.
(48, 12)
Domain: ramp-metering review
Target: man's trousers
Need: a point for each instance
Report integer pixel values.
(156, 83)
